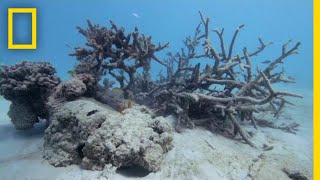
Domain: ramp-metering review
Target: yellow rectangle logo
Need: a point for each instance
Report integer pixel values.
(33, 44)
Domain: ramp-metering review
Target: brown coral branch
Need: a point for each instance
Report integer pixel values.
(240, 130)
(233, 41)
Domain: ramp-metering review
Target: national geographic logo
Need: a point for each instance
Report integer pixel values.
(33, 12)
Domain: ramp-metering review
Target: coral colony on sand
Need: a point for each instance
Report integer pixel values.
(226, 92)
(27, 85)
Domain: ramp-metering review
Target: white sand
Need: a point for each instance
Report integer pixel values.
(191, 157)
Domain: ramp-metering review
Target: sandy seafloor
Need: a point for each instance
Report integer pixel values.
(191, 157)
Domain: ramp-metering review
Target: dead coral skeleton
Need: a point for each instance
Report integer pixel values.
(193, 95)
(220, 96)
(112, 51)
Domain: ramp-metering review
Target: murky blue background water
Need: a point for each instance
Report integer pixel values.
(168, 21)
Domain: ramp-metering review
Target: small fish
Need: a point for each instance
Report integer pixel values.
(72, 73)
(69, 46)
(266, 62)
(291, 78)
(117, 91)
(136, 15)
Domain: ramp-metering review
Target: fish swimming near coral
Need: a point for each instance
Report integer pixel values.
(136, 15)
(117, 91)
(266, 62)
(67, 45)
(72, 73)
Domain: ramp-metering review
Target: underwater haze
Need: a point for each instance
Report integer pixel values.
(169, 21)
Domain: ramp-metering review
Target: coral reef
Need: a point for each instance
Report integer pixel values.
(225, 92)
(22, 115)
(91, 134)
(219, 96)
(27, 85)
(78, 86)
(71, 89)
(70, 126)
(112, 51)
(114, 98)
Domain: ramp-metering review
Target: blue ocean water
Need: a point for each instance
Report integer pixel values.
(168, 21)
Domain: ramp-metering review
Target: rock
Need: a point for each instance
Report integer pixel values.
(71, 89)
(79, 85)
(70, 126)
(35, 79)
(113, 98)
(89, 133)
(27, 85)
(22, 115)
(294, 174)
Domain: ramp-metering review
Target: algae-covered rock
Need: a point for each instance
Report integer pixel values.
(22, 115)
(89, 133)
(27, 85)
(71, 89)
(69, 129)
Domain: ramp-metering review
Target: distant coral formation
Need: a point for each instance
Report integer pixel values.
(27, 85)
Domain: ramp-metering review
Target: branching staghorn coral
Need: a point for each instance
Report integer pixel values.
(219, 96)
(113, 52)
(194, 96)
